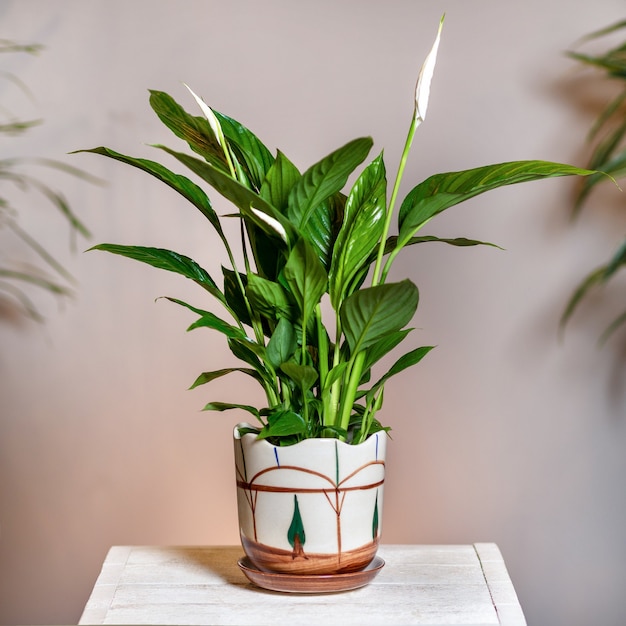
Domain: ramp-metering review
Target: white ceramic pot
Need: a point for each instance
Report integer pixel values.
(311, 508)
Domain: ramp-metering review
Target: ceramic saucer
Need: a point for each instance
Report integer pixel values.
(310, 583)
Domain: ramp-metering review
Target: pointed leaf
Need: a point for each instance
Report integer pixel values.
(324, 179)
(382, 347)
(207, 377)
(362, 228)
(179, 183)
(166, 260)
(210, 320)
(227, 406)
(455, 241)
(404, 362)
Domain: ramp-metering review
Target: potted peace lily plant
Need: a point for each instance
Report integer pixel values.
(309, 311)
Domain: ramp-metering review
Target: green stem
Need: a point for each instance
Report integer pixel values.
(254, 319)
(322, 346)
(358, 360)
(355, 373)
(415, 122)
(330, 417)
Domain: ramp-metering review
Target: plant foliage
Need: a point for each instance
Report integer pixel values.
(608, 156)
(307, 240)
(17, 276)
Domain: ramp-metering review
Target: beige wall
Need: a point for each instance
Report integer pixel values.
(502, 434)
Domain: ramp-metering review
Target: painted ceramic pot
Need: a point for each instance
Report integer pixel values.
(311, 508)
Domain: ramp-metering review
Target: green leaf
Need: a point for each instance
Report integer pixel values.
(282, 344)
(370, 314)
(275, 189)
(227, 406)
(408, 360)
(442, 191)
(306, 278)
(250, 352)
(362, 228)
(268, 298)
(166, 260)
(254, 355)
(210, 320)
(179, 183)
(324, 179)
(304, 376)
(455, 241)
(207, 377)
(234, 297)
(279, 182)
(282, 424)
(382, 347)
(322, 228)
(334, 375)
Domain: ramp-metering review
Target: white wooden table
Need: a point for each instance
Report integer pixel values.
(434, 585)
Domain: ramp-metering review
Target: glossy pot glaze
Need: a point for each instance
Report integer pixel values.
(311, 508)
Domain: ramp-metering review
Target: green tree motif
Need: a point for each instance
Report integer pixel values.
(295, 534)
(375, 519)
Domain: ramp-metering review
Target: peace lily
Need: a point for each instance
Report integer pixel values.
(305, 239)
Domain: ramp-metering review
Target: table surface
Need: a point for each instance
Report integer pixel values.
(419, 584)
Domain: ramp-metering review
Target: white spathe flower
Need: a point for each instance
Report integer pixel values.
(270, 221)
(422, 90)
(216, 128)
(210, 116)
